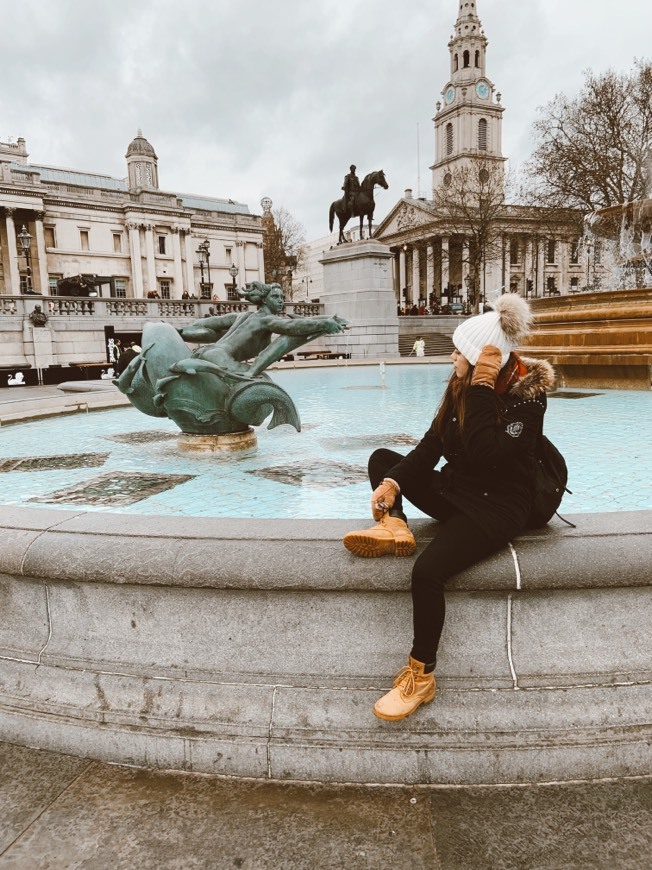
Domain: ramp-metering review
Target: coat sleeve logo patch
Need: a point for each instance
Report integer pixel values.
(514, 429)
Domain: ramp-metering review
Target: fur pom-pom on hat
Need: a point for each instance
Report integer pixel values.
(504, 327)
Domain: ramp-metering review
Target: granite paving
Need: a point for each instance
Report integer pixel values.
(62, 812)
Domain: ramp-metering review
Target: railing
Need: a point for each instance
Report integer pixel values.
(154, 309)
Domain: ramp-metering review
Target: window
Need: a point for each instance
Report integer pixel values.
(551, 285)
(120, 288)
(53, 282)
(575, 252)
(25, 283)
(228, 253)
(467, 59)
(456, 63)
(84, 240)
(161, 244)
(164, 286)
(514, 250)
(482, 134)
(449, 138)
(231, 294)
(575, 283)
(550, 251)
(117, 243)
(477, 58)
(49, 237)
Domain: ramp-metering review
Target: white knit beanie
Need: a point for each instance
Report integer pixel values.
(504, 327)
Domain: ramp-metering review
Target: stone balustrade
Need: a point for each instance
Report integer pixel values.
(193, 309)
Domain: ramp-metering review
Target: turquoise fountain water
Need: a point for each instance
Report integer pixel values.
(122, 461)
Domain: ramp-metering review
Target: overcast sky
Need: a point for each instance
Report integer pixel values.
(249, 98)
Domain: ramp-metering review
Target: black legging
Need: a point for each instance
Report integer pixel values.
(459, 543)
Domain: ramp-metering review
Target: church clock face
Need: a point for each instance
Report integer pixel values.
(482, 90)
(450, 95)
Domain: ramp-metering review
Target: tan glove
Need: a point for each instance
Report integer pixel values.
(383, 498)
(487, 367)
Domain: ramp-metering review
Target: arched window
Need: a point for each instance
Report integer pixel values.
(467, 59)
(482, 134)
(449, 139)
(456, 63)
(477, 58)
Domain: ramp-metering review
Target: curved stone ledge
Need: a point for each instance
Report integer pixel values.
(257, 648)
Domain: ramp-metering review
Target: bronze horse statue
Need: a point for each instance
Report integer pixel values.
(364, 204)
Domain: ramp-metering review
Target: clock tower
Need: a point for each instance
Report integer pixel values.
(468, 122)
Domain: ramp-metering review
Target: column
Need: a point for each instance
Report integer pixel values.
(541, 270)
(445, 267)
(12, 250)
(507, 263)
(402, 275)
(178, 269)
(465, 268)
(44, 284)
(190, 263)
(136, 264)
(261, 262)
(416, 275)
(527, 264)
(430, 270)
(149, 251)
(241, 278)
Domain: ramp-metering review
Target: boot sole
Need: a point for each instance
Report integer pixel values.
(388, 718)
(369, 548)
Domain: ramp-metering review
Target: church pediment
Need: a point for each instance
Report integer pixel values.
(406, 216)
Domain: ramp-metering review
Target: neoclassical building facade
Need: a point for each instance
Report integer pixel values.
(536, 252)
(130, 236)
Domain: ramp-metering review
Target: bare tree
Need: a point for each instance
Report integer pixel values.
(283, 240)
(591, 151)
(471, 202)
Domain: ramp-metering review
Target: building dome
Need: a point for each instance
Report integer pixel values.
(140, 147)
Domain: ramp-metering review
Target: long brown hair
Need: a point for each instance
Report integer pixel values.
(453, 401)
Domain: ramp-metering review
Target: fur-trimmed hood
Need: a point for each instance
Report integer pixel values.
(540, 376)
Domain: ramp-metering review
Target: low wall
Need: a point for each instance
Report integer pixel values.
(257, 648)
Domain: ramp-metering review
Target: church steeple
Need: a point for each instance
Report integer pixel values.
(142, 164)
(468, 45)
(468, 123)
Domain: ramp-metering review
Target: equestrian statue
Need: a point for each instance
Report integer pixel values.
(358, 200)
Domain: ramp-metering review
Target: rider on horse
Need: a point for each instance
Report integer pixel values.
(351, 188)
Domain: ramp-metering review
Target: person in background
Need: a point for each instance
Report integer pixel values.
(486, 428)
(419, 347)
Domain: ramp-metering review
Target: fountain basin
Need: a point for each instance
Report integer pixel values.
(257, 648)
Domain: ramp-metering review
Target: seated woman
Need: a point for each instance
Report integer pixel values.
(486, 427)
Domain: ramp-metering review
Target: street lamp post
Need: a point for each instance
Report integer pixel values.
(25, 241)
(233, 272)
(204, 253)
(306, 281)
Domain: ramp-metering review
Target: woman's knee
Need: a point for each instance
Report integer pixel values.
(382, 459)
(425, 575)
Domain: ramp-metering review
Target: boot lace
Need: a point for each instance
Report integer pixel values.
(405, 682)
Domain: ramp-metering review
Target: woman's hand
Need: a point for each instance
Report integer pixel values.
(383, 498)
(487, 367)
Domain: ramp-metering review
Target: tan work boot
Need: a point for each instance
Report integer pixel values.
(389, 536)
(411, 689)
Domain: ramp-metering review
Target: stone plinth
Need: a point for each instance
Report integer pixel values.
(596, 339)
(358, 286)
(233, 442)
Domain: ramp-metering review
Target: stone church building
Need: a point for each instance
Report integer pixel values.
(130, 236)
(535, 252)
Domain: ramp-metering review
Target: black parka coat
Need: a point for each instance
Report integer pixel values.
(489, 467)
